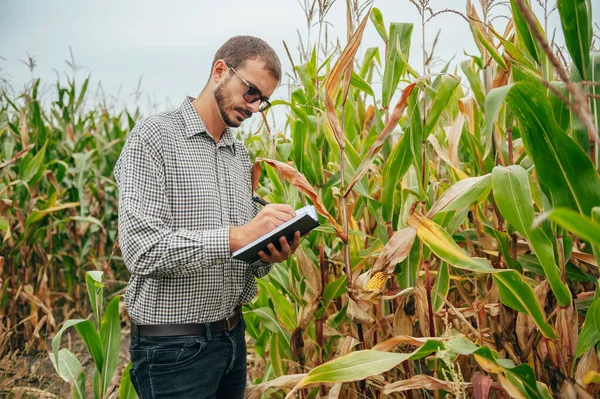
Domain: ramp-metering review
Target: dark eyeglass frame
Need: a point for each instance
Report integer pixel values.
(252, 94)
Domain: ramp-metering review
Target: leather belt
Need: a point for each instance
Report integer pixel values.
(168, 330)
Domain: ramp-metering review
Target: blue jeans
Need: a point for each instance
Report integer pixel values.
(191, 366)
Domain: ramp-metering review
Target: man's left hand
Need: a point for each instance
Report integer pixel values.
(287, 249)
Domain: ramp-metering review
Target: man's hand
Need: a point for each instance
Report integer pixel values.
(269, 217)
(287, 249)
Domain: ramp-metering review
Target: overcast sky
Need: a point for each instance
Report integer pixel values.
(170, 45)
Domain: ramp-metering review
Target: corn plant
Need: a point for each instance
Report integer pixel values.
(102, 338)
(58, 213)
(460, 220)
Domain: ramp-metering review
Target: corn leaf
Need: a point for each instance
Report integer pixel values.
(566, 172)
(513, 197)
(576, 22)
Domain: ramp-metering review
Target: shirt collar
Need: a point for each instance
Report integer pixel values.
(194, 124)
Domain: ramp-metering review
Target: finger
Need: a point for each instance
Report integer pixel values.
(273, 250)
(284, 208)
(265, 258)
(296, 243)
(285, 246)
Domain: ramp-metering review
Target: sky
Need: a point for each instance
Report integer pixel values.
(166, 48)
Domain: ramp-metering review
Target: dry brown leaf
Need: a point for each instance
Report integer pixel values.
(309, 271)
(422, 309)
(308, 311)
(481, 386)
(523, 330)
(330, 331)
(298, 180)
(589, 363)
(383, 136)
(492, 309)
(467, 106)
(501, 78)
(17, 156)
(567, 330)
(454, 134)
(396, 250)
(512, 390)
(334, 392)
(346, 345)
(334, 123)
(357, 313)
(443, 154)
(369, 115)
(474, 24)
(256, 172)
(23, 129)
(283, 382)
(71, 133)
(570, 390)
(419, 382)
(332, 81)
(587, 258)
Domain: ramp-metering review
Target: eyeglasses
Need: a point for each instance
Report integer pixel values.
(252, 94)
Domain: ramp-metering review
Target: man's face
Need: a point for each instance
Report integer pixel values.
(230, 90)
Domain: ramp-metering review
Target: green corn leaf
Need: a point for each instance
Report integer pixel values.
(524, 33)
(110, 334)
(566, 172)
(399, 40)
(93, 282)
(517, 294)
(377, 19)
(70, 370)
(283, 308)
(590, 332)
(126, 389)
(513, 197)
(335, 288)
(442, 244)
(31, 166)
(394, 169)
(578, 224)
(576, 21)
(276, 355)
(36, 216)
(493, 103)
(462, 194)
(267, 316)
(362, 364)
(441, 287)
(361, 84)
(440, 102)
(468, 68)
(88, 333)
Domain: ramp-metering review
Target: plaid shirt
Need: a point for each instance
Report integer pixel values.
(179, 191)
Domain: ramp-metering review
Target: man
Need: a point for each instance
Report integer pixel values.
(185, 205)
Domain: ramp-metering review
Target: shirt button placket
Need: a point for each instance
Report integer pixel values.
(224, 200)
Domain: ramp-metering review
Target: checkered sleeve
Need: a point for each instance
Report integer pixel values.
(149, 245)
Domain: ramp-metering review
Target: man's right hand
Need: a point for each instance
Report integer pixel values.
(269, 217)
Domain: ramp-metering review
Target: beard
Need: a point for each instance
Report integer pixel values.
(226, 107)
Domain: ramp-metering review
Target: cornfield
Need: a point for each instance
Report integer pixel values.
(459, 242)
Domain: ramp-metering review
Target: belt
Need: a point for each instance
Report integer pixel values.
(167, 330)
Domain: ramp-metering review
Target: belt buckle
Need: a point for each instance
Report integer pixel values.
(229, 322)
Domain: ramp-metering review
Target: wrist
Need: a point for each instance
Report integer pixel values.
(236, 238)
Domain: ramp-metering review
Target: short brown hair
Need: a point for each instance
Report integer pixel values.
(240, 49)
